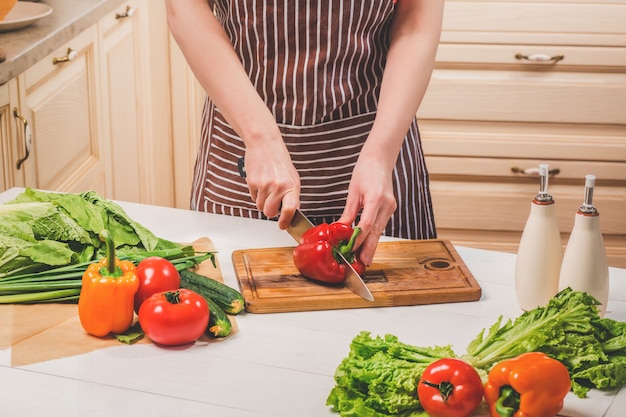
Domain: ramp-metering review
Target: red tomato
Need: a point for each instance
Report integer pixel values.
(450, 388)
(155, 275)
(174, 317)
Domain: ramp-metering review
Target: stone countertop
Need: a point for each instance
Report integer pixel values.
(27, 46)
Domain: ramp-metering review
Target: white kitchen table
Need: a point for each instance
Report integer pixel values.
(277, 365)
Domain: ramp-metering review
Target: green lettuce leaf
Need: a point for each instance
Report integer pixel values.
(568, 329)
(40, 230)
(379, 377)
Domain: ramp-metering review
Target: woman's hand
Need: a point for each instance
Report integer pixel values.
(371, 188)
(272, 179)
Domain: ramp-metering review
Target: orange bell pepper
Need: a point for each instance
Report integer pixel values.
(530, 385)
(107, 295)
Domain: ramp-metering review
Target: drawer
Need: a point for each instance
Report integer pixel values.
(535, 22)
(504, 206)
(527, 57)
(601, 144)
(526, 169)
(526, 96)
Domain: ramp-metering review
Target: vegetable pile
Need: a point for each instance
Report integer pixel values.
(379, 377)
(47, 240)
(57, 247)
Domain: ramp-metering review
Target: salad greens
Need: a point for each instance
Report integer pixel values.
(379, 376)
(569, 329)
(48, 239)
(40, 230)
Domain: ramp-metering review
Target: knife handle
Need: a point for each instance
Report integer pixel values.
(241, 167)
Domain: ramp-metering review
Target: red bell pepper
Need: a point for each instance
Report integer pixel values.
(316, 257)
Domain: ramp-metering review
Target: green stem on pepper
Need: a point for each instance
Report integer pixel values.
(111, 269)
(346, 248)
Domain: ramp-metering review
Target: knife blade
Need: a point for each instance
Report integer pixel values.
(354, 282)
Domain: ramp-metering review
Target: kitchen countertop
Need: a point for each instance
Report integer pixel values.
(27, 46)
(277, 365)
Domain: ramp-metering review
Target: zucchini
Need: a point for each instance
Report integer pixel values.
(219, 323)
(229, 299)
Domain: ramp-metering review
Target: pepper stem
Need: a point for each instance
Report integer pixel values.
(445, 388)
(112, 270)
(346, 248)
(508, 401)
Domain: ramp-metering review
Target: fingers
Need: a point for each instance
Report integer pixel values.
(368, 248)
(290, 202)
(274, 187)
(373, 222)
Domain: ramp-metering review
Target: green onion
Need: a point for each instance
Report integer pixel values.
(63, 284)
(36, 297)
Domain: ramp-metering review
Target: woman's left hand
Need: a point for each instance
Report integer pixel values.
(371, 189)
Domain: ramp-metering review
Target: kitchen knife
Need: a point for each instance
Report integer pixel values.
(354, 282)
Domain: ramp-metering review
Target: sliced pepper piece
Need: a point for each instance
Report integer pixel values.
(529, 385)
(107, 295)
(316, 257)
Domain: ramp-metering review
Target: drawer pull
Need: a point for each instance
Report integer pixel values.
(533, 171)
(130, 11)
(70, 56)
(28, 137)
(539, 57)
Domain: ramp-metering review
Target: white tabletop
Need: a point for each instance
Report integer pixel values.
(277, 365)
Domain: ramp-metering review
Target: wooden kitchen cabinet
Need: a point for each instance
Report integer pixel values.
(58, 98)
(188, 99)
(12, 144)
(518, 83)
(98, 109)
(135, 103)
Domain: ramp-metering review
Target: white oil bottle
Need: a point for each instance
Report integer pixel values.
(585, 267)
(540, 252)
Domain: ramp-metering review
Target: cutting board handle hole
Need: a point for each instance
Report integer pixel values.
(438, 265)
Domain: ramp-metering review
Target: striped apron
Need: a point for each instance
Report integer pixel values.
(318, 65)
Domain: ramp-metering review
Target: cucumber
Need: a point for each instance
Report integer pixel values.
(229, 299)
(219, 323)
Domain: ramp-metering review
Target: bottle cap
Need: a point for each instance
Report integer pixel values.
(543, 194)
(587, 206)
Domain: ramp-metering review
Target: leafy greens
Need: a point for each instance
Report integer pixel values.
(42, 230)
(379, 376)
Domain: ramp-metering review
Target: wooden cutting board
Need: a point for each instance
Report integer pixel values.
(407, 272)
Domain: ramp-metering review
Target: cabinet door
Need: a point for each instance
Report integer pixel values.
(13, 134)
(136, 117)
(188, 99)
(60, 104)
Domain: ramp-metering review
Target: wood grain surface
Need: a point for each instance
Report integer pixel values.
(407, 272)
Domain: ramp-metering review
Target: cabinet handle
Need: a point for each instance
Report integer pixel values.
(28, 137)
(129, 12)
(534, 171)
(70, 56)
(540, 57)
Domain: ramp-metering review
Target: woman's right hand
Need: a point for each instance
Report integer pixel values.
(272, 179)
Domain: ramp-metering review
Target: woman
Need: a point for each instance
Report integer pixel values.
(319, 99)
